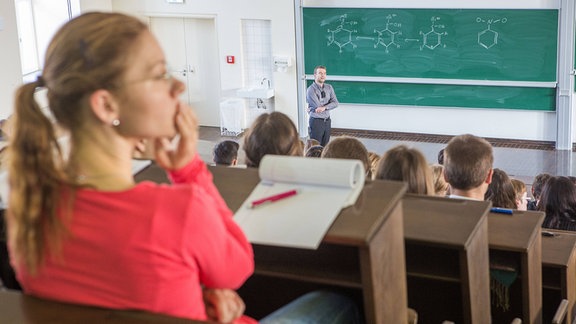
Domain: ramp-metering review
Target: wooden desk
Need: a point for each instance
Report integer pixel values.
(558, 273)
(517, 238)
(362, 254)
(18, 308)
(447, 259)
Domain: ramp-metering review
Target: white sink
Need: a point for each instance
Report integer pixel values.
(255, 93)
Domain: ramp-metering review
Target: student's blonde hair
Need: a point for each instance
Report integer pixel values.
(401, 163)
(440, 185)
(374, 159)
(346, 147)
(519, 188)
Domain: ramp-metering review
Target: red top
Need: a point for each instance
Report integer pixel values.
(147, 248)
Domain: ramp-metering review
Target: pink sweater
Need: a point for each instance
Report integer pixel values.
(148, 248)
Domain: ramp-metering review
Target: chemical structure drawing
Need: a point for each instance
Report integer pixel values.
(387, 37)
(433, 38)
(488, 37)
(342, 35)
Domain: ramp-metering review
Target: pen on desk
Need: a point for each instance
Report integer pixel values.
(501, 210)
(273, 198)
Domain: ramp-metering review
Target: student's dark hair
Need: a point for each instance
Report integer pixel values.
(558, 200)
(538, 183)
(468, 160)
(273, 133)
(314, 151)
(501, 190)
(309, 143)
(441, 157)
(88, 53)
(226, 152)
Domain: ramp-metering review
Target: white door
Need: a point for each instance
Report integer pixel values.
(191, 52)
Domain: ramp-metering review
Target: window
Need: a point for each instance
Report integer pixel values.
(37, 21)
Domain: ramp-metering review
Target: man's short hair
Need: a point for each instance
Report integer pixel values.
(468, 160)
(226, 152)
(319, 67)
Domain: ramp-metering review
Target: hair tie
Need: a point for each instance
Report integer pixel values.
(40, 81)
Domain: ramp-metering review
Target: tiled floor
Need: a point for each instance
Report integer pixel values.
(520, 163)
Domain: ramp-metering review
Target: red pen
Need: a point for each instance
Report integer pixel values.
(273, 198)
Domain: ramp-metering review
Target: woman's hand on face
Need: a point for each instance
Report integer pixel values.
(174, 158)
(223, 305)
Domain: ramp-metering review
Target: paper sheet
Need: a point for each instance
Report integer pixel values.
(324, 187)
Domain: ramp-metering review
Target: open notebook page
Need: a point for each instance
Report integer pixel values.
(324, 187)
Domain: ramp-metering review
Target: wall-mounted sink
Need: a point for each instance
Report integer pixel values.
(255, 93)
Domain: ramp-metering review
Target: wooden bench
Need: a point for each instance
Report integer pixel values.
(16, 307)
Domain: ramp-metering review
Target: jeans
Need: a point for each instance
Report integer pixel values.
(316, 307)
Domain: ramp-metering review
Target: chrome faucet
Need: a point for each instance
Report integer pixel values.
(266, 80)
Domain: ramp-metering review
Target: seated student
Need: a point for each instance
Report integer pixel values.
(441, 187)
(537, 185)
(309, 143)
(558, 201)
(272, 133)
(226, 153)
(80, 230)
(314, 151)
(401, 163)
(501, 191)
(346, 147)
(468, 161)
(521, 194)
(67, 241)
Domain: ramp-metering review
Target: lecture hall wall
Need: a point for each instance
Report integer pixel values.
(523, 124)
(530, 125)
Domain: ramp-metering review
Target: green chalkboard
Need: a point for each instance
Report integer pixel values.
(438, 95)
(470, 44)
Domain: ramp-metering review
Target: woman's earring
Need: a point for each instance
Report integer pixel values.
(115, 122)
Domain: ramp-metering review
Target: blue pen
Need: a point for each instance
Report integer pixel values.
(501, 210)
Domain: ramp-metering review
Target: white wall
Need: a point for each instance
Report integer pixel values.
(95, 5)
(10, 70)
(531, 125)
(228, 15)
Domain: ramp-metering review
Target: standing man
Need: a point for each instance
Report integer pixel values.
(321, 99)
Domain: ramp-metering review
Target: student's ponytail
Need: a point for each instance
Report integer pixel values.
(35, 177)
